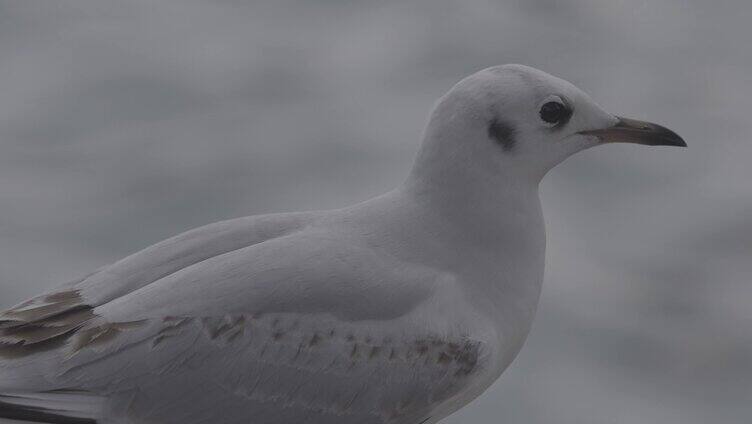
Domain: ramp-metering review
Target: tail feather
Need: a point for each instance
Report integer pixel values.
(55, 407)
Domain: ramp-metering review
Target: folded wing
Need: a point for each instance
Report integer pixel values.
(295, 328)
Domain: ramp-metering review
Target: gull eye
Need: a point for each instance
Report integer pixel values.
(555, 112)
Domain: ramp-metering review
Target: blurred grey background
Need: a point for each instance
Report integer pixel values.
(125, 122)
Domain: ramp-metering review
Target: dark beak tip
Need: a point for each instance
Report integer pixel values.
(639, 132)
(674, 141)
(670, 138)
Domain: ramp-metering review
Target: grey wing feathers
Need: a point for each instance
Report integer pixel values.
(46, 321)
(278, 369)
(186, 249)
(316, 358)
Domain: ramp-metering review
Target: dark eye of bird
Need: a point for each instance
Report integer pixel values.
(554, 113)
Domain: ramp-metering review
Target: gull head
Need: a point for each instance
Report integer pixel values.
(518, 122)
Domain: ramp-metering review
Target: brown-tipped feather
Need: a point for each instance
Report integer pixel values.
(42, 323)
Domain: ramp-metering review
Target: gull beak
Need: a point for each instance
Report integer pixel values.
(639, 132)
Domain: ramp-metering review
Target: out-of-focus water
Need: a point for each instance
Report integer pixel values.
(123, 123)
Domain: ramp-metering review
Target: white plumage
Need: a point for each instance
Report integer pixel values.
(397, 310)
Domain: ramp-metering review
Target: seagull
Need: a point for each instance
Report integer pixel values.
(398, 310)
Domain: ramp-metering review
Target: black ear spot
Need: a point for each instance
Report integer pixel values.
(503, 133)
